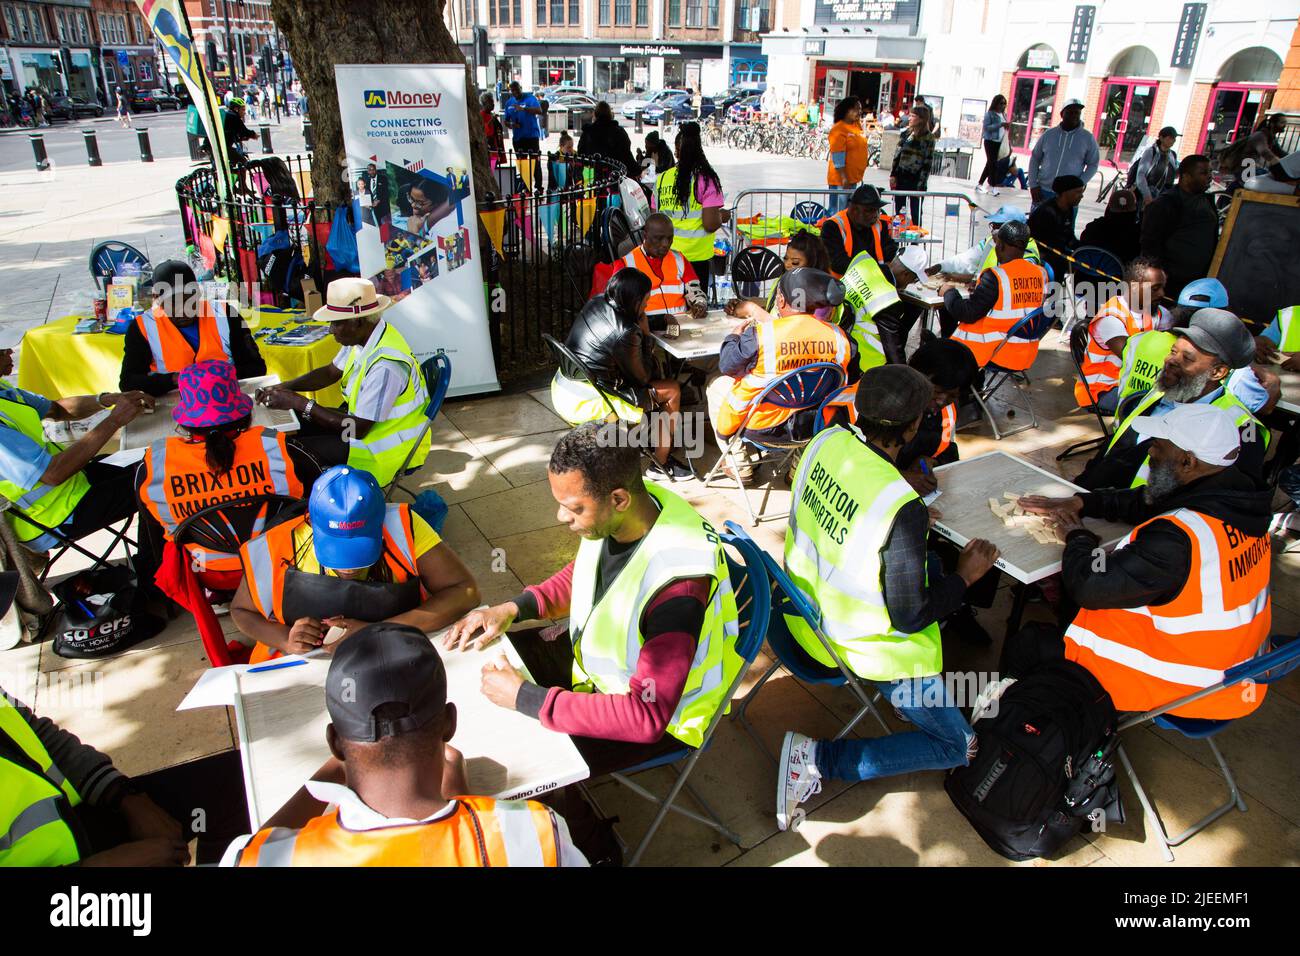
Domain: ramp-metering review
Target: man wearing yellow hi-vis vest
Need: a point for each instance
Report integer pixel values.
(1283, 334)
(856, 551)
(880, 319)
(1196, 370)
(382, 382)
(690, 194)
(650, 654)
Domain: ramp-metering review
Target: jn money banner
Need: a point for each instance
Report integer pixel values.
(170, 24)
(406, 133)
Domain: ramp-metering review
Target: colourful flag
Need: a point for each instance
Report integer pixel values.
(172, 27)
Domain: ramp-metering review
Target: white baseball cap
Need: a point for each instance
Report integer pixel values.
(1205, 431)
(11, 336)
(1072, 101)
(915, 258)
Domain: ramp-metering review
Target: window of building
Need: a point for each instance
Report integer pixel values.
(557, 13)
(611, 74)
(143, 34)
(492, 12)
(602, 7)
(127, 69)
(112, 29)
(674, 13)
(575, 14)
(623, 13)
(713, 13)
(83, 28)
(25, 22)
(541, 12)
(550, 71)
(643, 13)
(695, 13)
(146, 70)
(519, 13)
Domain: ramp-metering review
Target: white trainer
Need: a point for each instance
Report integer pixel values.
(997, 192)
(798, 779)
(981, 188)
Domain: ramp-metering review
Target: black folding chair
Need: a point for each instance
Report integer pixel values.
(1078, 345)
(579, 264)
(118, 530)
(617, 235)
(437, 378)
(752, 267)
(574, 369)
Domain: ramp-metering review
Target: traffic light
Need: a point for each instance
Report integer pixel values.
(213, 63)
(480, 46)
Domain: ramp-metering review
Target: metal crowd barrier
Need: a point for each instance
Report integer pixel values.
(762, 217)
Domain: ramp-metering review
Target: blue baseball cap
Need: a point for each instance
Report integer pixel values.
(1204, 294)
(347, 518)
(1007, 214)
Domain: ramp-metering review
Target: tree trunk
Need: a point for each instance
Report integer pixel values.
(322, 33)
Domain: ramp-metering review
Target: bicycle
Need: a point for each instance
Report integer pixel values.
(1104, 187)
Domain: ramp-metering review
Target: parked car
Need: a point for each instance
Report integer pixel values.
(680, 107)
(631, 106)
(73, 107)
(572, 101)
(156, 101)
(737, 93)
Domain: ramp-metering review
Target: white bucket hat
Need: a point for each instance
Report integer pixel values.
(351, 298)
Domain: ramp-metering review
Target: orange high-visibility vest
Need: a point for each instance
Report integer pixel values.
(1148, 656)
(1021, 287)
(667, 293)
(481, 832)
(1101, 366)
(178, 483)
(949, 418)
(266, 558)
(841, 219)
(171, 351)
(784, 343)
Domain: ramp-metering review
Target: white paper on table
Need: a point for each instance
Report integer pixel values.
(932, 497)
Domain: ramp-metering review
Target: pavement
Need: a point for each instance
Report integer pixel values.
(489, 462)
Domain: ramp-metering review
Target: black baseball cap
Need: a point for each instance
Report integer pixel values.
(379, 665)
(1168, 131)
(867, 196)
(893, 395)
(810, 289)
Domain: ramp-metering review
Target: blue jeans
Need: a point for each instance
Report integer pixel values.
(942, 739)
(841, 201)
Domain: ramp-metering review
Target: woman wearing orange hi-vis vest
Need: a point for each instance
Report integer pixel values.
(1185, 596)
(178, 331)
(1003, 296)
(394, 794)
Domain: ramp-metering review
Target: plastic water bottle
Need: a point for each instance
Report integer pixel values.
(724, 289)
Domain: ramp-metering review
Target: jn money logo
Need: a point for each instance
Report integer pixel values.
(375, 99)
(399, 99)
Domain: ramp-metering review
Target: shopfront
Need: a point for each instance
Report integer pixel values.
(1128, 100)
(554, 70)
(878, 87)
(747, 70)
(80, 73)
(1033, 96)
(1241, 95)
(39, 68)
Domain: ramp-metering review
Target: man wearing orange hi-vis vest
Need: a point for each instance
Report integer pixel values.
(395, 792)
(1004, 295)
(1185, 596)
(182, 328)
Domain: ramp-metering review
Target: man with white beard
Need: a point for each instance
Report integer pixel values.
(1186, 595)
(1196, 371)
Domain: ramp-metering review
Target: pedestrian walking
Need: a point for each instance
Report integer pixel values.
(123, 110)
(995, 134)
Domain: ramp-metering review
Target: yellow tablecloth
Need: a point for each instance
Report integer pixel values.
(56, 363)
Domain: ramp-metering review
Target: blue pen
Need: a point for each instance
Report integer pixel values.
(925, 469)
(273, 667)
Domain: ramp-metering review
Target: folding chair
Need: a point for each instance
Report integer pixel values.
(1094, 266)
(809, 212)
(579, 266)
(108, 258)
(617, 234)
(225, 528)
(753, 602)
(574, 369)
(1033, 326)
(752, 267)
(1078, 345)
(437, 376)
(808, 388)
(791, 596)
(1263, 669)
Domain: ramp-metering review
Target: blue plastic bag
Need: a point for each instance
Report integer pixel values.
(342, 243)
(430, 506)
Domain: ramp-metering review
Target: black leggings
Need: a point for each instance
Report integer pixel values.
(990, 174)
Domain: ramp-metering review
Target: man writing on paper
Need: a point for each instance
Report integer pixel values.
(384, 387)
(1186, 595)
(856, 549)
(351, 560)
(395, 793)
(674, 286)
(651, 650)
(182, 328)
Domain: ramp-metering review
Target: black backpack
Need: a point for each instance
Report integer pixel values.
(1043, 768)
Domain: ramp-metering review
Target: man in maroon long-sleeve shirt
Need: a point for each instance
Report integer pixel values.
(603, 499)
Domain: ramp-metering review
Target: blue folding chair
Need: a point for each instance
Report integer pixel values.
(753, 602)
(809, 212)
(1034, 326)
(114, 258)
(808, 388)
(1263, 669)
(792, 599)
(437, 377)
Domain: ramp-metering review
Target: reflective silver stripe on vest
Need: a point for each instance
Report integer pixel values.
(277, 850)
(381, 445)
(712, 678)
(518, 834)
(31, 495)
(39, 814)
(277, 467)
(223, 331)
(156, 491)
(155, 342)
(259, 576)
(396, 529)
